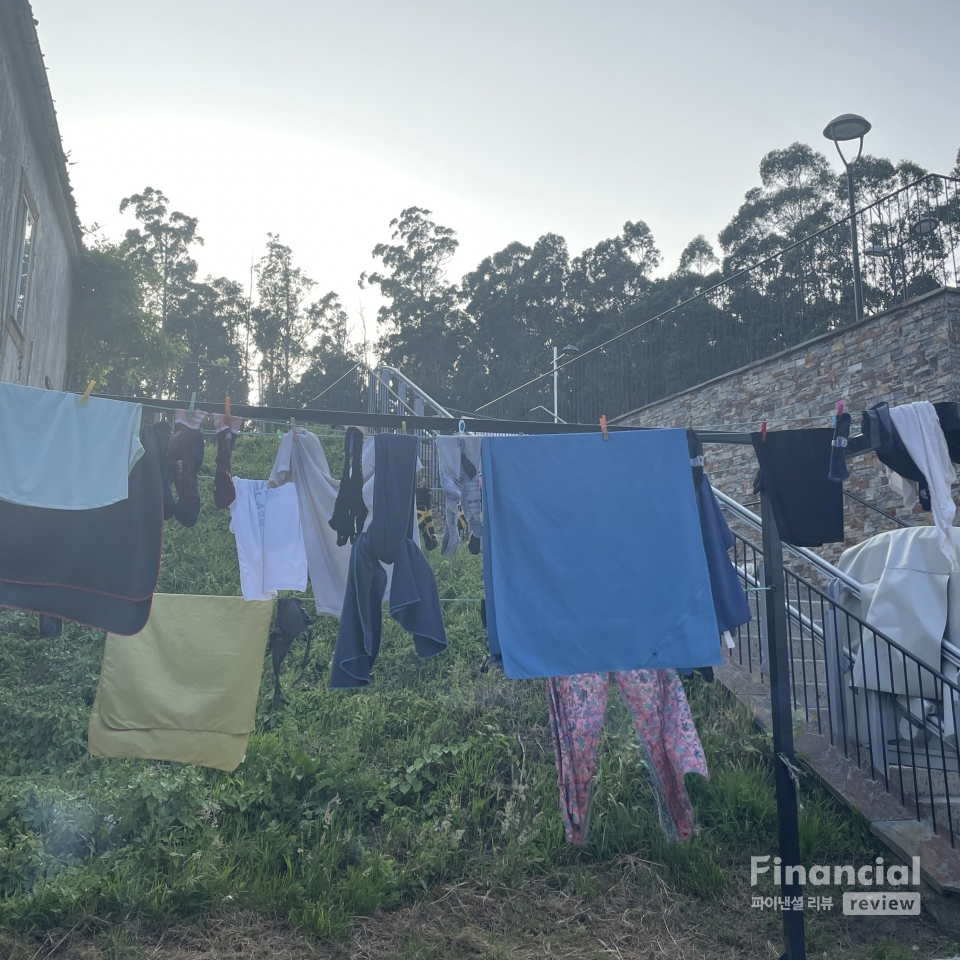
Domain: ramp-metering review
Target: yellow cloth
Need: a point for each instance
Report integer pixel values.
(185, 688)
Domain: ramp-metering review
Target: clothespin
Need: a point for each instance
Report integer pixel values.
(193, 400)
(226, 405)
(87, 392)
(403, 426)
(763, 430)
(293, 427)
(840, 405)
(603, 427)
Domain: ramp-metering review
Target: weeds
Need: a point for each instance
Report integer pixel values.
(348, 803)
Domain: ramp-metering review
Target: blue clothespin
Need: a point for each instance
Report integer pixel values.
(461, 428)
(193, 400)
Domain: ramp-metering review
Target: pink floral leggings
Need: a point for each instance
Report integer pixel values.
(668, 739)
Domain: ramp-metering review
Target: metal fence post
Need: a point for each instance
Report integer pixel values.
(784, 761)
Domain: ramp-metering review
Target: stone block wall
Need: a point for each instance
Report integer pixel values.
(911, 352)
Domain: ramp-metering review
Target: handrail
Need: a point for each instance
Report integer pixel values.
(394, 372)
(809, 556)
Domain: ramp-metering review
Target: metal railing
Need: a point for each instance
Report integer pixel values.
(882, 707)
(909, 242)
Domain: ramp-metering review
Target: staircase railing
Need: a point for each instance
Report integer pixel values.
(873, 699)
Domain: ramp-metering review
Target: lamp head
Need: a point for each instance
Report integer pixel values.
(848, 126)
(925, 226)
(570, 348)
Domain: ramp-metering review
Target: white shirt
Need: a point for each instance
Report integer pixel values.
(58, 454)
(270, 548)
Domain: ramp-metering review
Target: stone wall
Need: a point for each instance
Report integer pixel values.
(911, 352)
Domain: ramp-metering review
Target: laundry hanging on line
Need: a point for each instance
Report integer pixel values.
(389, 539)
(98, 567)
(301, 462)
(919, 429)
(58, 453)
(794, 474)
(593, 558)
(458, 461)
(265, 522)
(665, 730)
(185, 687)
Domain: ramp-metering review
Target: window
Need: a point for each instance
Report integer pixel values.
(26, 224)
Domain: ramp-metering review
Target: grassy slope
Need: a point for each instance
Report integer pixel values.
(427, 801)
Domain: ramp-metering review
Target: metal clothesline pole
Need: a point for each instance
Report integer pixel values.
(776, 619)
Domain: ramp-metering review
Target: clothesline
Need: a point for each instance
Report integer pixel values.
(641, 453)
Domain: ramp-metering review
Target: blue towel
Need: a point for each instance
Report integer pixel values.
(593, 559)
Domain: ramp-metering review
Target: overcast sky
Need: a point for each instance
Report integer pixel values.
(321, 120)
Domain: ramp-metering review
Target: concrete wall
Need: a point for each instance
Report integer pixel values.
(37, 354)
(911, 352)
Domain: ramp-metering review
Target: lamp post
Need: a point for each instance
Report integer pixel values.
(850, 126)
(569, 348)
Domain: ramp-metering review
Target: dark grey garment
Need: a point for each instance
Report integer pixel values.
(50, 627)
(414, 599)
(292, 620)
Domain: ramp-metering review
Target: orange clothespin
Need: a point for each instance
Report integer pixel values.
(603, 427)
(87, 392)
(763, 430)
(226, 405)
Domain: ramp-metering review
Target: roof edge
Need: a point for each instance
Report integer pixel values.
(26, 25)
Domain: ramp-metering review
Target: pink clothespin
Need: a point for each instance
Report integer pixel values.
(603, 427)
(763, 430)
(840, 405)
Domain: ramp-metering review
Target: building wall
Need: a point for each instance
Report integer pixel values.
(38, 355)
(911, 352)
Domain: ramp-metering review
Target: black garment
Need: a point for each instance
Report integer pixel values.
(838, 452)
(414, 599)
(291, 621)
(884, 440)
(186, 513)
(794, 474)
(98, 567)
(349, 510)
(729, 600)
(950, 424)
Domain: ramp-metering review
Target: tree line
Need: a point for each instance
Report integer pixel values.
(143, 322)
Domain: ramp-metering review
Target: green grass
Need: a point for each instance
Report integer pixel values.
(350, 804)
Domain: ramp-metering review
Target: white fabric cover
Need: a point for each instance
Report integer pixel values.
(919, 428)
(905, 583)
(270, 548)
(58, 454)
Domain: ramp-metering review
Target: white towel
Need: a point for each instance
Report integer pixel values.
(919, 428)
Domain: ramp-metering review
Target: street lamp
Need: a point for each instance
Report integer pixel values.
(850, 126)
(569, 348)
(925, 226)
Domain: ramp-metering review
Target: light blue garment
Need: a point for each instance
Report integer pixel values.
(593, 559)
(56, 453)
